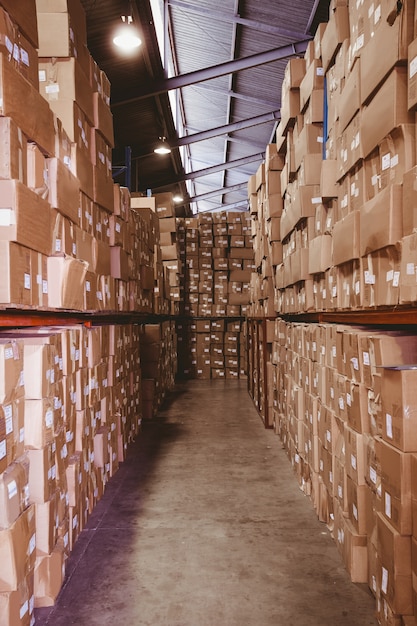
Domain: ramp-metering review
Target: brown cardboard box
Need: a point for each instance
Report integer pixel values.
(393, 39)
(17, 97)
(309, 141)
(13, 147)
(16, 548)
(350, 97)
(351, 546)
(66, 282)
(49, 576)
(410, 201)
(346, 238)
(394, 560)
(16, 283)
(399, 406)
(63, 80)
(313, 79)
(73, 8)
(381, 220)
(64, 189)
(386, 110)
(24, 14)
(337, 30)
(396, 487)
(320, 254)
(408, 272)
(24, 216)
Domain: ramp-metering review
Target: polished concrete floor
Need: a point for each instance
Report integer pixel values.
(204, 525)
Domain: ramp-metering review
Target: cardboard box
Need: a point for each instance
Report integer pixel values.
(393, 37)
(320, 254)
(63, 189)
(13, 147)
(396, 487)
(313, 79)
(387, 110)
(15, 89)
(394, 564)
(399, 407)
(410, 201)
(63, 80)
(66, 278)
(350, 96)
(17, 546)
(337, 30)
(24, 216)
(346, 239)
(16, 284)
(408, 271)
(381, 220)
(49, 576)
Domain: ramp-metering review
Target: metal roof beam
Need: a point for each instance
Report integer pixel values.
(227, 128)
(214, 71)
(223, 166)
(236, 19)
(216, 192)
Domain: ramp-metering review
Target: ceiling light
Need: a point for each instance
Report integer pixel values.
(162, 147)
(127, 37)
(177, 198)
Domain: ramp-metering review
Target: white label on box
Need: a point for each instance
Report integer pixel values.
(388, 425)
(360, 41)
(27, 281)
(316, 200)
(348, 399)
(341, 404)
(328, 436)
(384, 584)
(2, 449)
(355, 511)
(321, 465)
(9, 45)
(24, 57)
(24, 609)
(355, 363)
(372, 475)
(297, 458)
(369, 278)
(334, 351)
(365, 357)
(8, 353)
(22, 434)
(8, 414)
(74, 249)
(344, 201)
(7, 217)
(357, 140)
(386, 161)
(387, 505)
(353, 461)
(87, 285)
(332, 393)
(334, 291)
(320, 139)
(331, 477)
(413, 67)
(396, 279)
(340, 492)
(329, 222)
(323, 295)
(32, 544)
(320, 71)
(45, 286)
(394, 160)
(53, 472)
(49, 418)
(52, 89)
(74, 522)
(38, 279)
(58, 245)
(42, 76)
(12, 489)
(377, 14)
(410, 269)
(390, 275)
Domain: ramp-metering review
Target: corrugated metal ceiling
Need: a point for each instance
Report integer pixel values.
(201, 34)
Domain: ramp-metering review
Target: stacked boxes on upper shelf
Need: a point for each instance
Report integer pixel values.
(347, 169)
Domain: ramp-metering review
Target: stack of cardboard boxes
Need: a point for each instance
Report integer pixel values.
(158, 352)
(346, 417)
(347, 169)
(217, 257)
(70, 403)
(341, 396)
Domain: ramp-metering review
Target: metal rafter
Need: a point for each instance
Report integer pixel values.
(222, 69)
(234, 94)
(217, 192)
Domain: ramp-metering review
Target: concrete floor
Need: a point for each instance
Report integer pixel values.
(204, 525)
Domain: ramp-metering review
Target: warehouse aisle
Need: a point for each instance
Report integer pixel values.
(204, 525)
